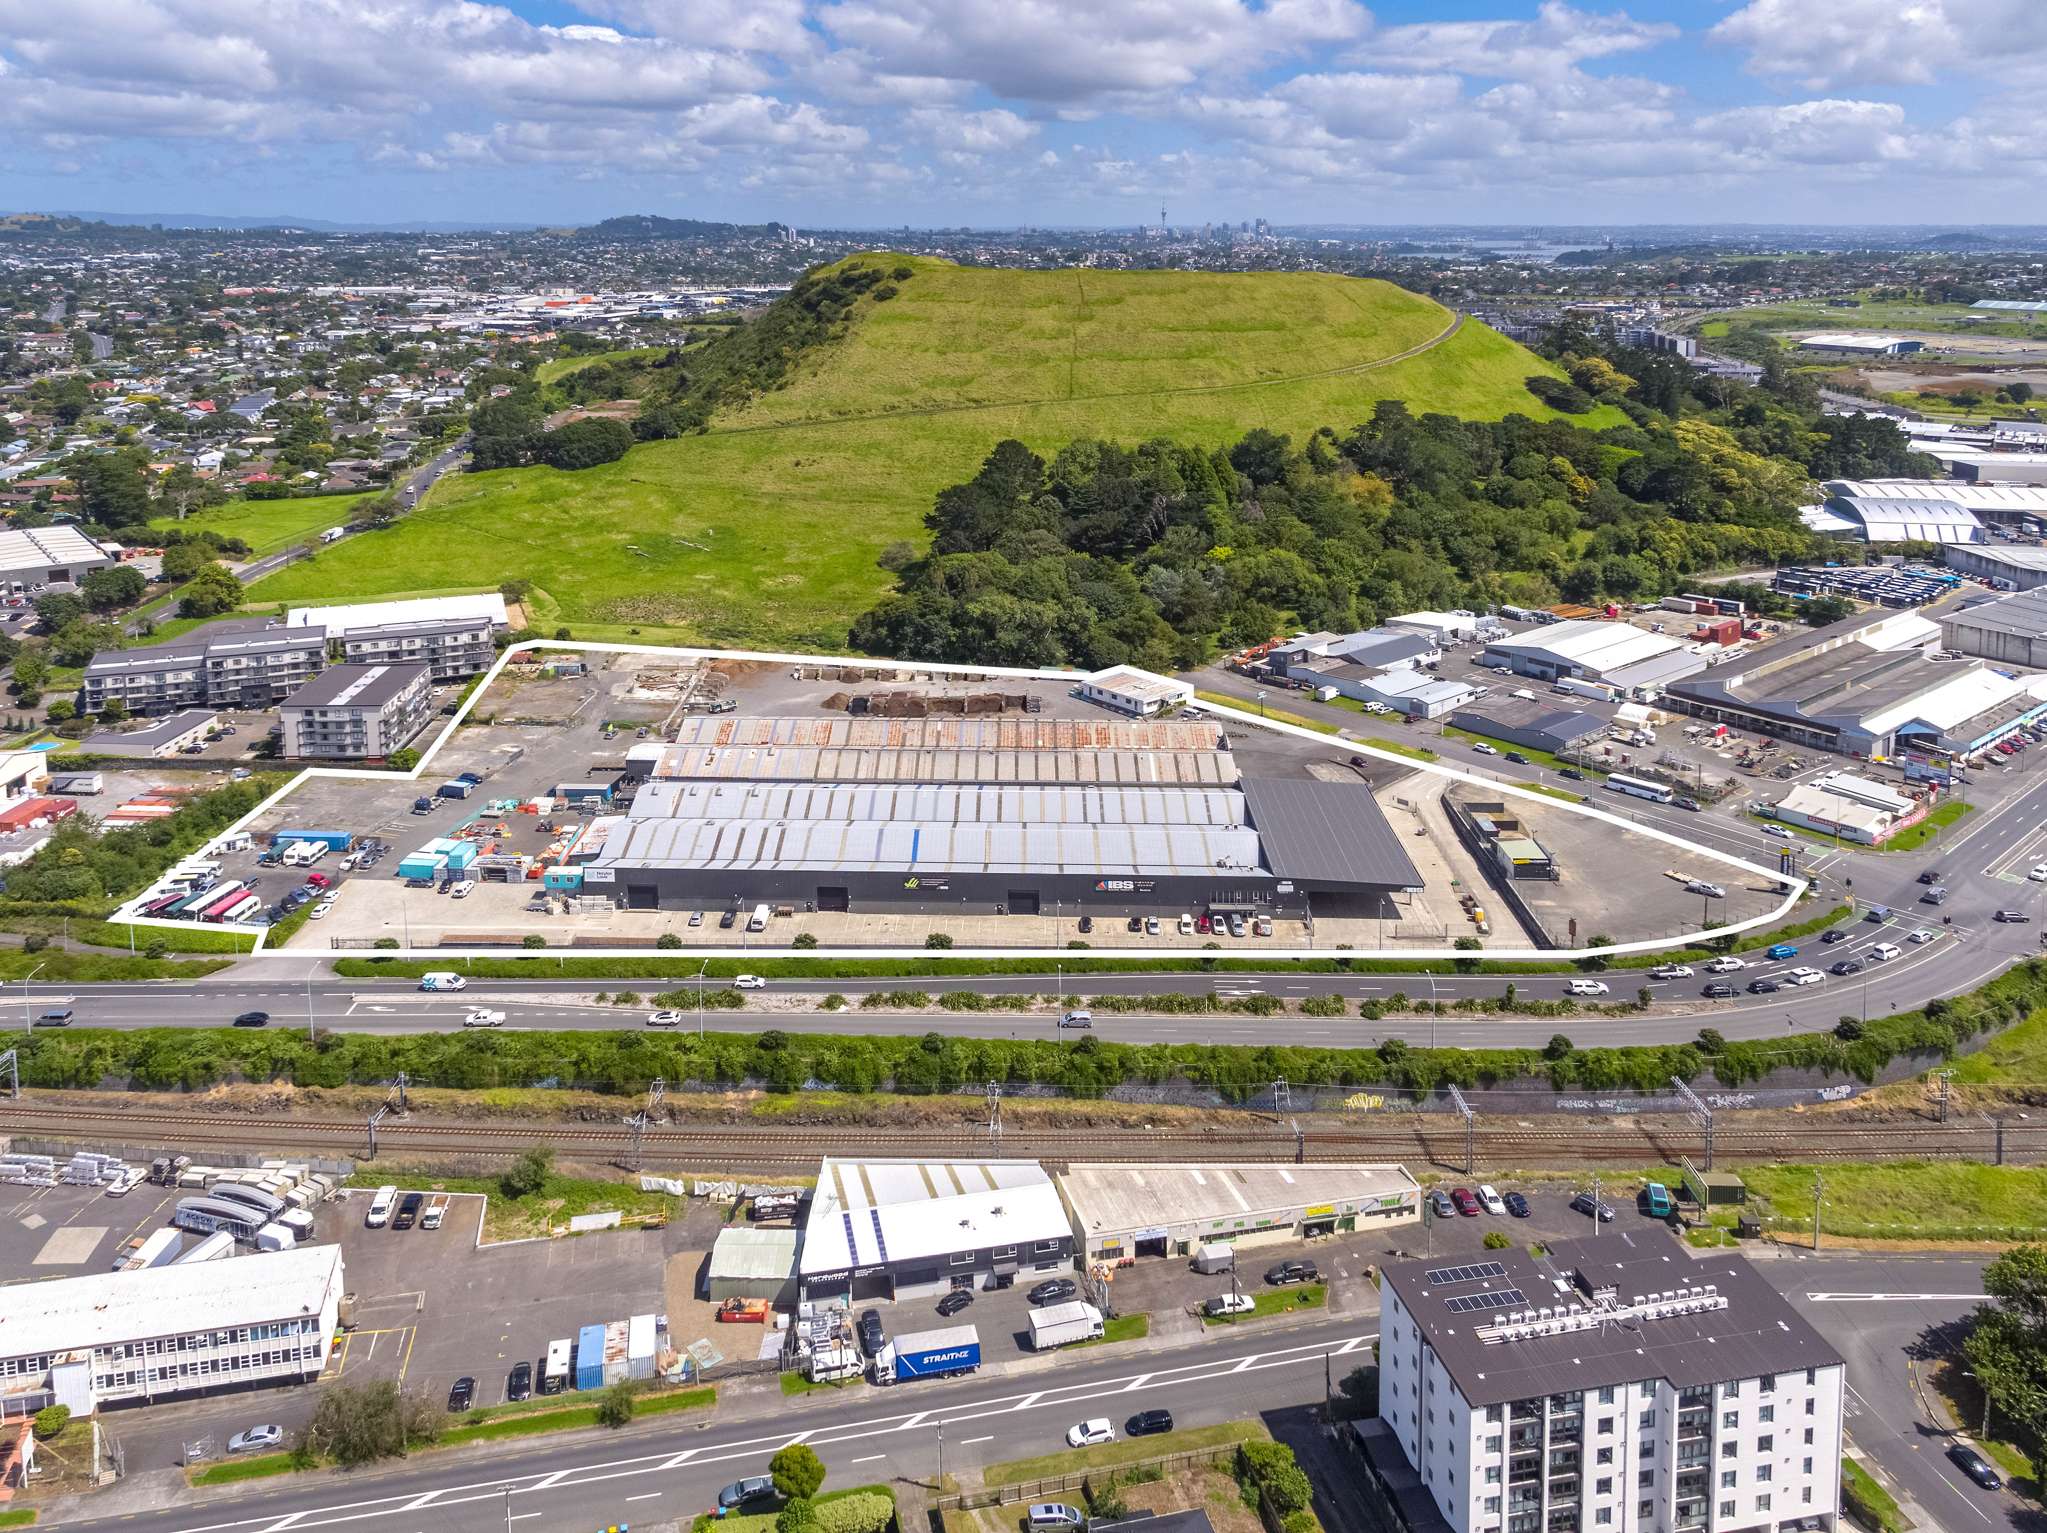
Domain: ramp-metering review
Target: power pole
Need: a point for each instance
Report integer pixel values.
(636, 1125)
(1819, 1185)
(994, 1094)
(1943, 1084)
(1464, 1107)
(1699, 1113)
(13, 1069)
(375, 1118)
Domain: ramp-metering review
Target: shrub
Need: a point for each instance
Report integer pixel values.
(938, 940)
(797, 1471)
(528, 1174)
(1495, 1241)
(1105, 1498)
(532, 940)
(867, 1511)
(804, 940)
(832, 1002)
(615, 1404)
(51, 1420)
(1270, 1467)
(1323, 1006)
(668, 939)
(799, 1516)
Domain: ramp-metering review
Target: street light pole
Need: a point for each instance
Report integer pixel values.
(27, 1020)
(699, 982)
(1429, 975)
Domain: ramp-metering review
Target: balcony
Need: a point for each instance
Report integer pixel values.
(1564, 1461)
(1564, 1488)
(1522, 1439)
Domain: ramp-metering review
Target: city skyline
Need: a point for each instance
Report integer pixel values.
(868, 113)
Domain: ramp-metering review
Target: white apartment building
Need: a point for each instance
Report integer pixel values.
(1615, 1385)
(160, 1332)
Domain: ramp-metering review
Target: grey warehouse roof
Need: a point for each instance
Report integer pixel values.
(792, 764)
(941, 803)
(1327, 833)
(1757, 1332)
(952, 734)
(2023, 613)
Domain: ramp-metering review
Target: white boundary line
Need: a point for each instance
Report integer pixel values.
(1218, 710)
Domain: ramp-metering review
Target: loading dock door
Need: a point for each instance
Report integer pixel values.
(642, 897)
(834, 897)
(1023, 902)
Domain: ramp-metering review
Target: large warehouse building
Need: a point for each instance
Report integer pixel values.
(1633, 661)
(2014, 567)
(2011, 630)
(116, 1337)
(896, 1229)
(1016, 816)
(1124, 1210)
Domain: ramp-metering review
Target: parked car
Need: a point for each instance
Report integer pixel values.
(1489, 1200)
(1085, 1434)
(1719, 990)
(955, 1301)
(462, 1396)
(1516, 1205)
(1484, 749)
(1778, 831)
(1087, 923)
(1055, 1517)
(1230, 1304)
(1517, 758)
(253, 1019)
(1298, 1271)
(1441, 1206)
(1571, 772)
(872, 1338)
(1053, 1291)
(1151, 926)
(256, 1439)
(1148, 1423)
(519, 1382)
(1467, 1205)
(408, 1211)
(740, 1493)
(1583, 1204)
(1975, 1466)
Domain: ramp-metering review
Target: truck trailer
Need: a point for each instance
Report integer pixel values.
(929, 1355)
(1058, 1324)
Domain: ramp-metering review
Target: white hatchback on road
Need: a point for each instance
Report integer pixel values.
(1727, 965)
(1589, 987)
(1085, 1434)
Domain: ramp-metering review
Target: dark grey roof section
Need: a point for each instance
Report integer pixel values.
(1758, 1331)
(1327, 833)
(130, 741)
(356, 686)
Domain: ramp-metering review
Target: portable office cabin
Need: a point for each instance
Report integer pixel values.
(640, 1347)
(590, 1357)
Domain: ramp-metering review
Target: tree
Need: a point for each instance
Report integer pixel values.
(31, 670)
(1558, 1047)
(51, 1421)
(403, 759)
(107, 590)
(797, 1472)
(1822, 610)
(799, 1516)
(584, 443)
(62, 709)
(2007, 1348)
(211, 592)
(79, 641)
(56, 609)
(360, 1423)
(669, 940)
(528, 1174)
(615, 1404)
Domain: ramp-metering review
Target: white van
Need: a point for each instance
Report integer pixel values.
(442, 979)
(380, 1208)
(333, 534)
(758, 921)
(1883, 952)
(461, 889)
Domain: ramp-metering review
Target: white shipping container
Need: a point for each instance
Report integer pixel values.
(274, 1237)
(215, 1246)
(158, 1250)
(617, 1357)
(640, 1347)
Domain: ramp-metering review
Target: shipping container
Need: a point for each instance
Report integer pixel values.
(455, 789)
(81, 783)
(929, 1354)
(334, 840)
(590, 1357)
(159, 1250)
(462, 854)
(640, 1347)
(275, 1237)
(211, 1249)
(617, 1338)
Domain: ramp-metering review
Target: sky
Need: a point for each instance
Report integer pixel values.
(996, 113)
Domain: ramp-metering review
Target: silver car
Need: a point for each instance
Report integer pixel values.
(256, 1440)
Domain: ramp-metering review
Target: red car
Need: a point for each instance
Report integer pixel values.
(1466, 1201)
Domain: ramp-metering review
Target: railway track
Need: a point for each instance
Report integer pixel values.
(752, 1147)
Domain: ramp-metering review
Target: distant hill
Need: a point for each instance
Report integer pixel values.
(651, 226)
(836, 416)
(129, 225)
(1960, 240)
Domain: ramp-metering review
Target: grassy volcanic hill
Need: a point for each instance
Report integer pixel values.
(764, 530)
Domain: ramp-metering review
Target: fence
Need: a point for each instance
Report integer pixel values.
(1037, 1490)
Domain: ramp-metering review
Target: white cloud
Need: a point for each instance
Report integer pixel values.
(973, 133)
(1888, 42)
(1556, 41)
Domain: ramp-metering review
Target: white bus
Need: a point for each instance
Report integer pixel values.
(1635, 787)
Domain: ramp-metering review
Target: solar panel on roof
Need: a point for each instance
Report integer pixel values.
(1499, 1298)
(1469, 1274)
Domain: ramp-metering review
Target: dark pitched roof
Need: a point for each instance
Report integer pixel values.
(1756, 1332)
(1327, 833)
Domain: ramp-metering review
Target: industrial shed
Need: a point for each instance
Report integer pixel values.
(750, 1263)
(2011, 630)
(1124, 1210)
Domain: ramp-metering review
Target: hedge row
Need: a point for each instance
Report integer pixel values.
(623, 1062)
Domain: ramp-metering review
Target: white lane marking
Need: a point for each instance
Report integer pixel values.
(644, 1496)
(418, 1501)
(969, 1442)
(522, 1516)
(1884, 1298)
(1137, 1383)
(872, 1458)
(1961, 1494)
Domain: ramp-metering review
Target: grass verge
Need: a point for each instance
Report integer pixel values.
(1125, 1451)
(1868, 1502)
(20, 1517)
(796, 1384)
(1266, 711)
(234, 1471)
(1278, 1301)
(1122, 1328)
(1913, 837)
(85, 968)
(545, 1212)
(1907, 1200)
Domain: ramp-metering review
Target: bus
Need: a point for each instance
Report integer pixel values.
(163, 903)
(188, 907)
(219, 900)
(245, 906)
(1635, 787)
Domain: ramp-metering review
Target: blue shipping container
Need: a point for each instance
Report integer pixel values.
(455, 789)
(590, 1357)
(337, 840)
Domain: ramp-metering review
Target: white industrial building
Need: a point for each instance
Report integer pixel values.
(896, 1229)
(49, 555)
(422, 609)
(1136, 1210)
(158, 1332)
(2011, 630)
(1633, 661)
(1931, 510)
(1614, 1383)
(1862, 345)
(1447, 627)
(2009, 567)
(1137, 693)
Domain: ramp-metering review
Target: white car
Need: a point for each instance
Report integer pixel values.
(1671, 971)
(1490, 1200)
(1924, 934)
(463, 889)
(1186, 925)
(319, 911)
(483, 1016)
(1085, 1434)
(665, 1019)
(751, 982)
(1727, 965)
(1483, 749)
(1710, 891)
(1778, 831)
(1231, 1304)
(2038, 873)
(1803, 976)
(1589, 987)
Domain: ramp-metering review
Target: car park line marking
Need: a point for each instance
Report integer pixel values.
(969, 1442)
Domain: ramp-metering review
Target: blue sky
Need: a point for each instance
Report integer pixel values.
(1000, 112)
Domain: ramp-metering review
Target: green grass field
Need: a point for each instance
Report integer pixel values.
(2015, 1057)
(268, 525)
(557, 368)
(766, 530)
(1949, 318)
(1126, 1450)
(1909, 1200)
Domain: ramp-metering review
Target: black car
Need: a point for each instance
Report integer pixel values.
(1763, 987)
(1846, 966)
(1516, 1204)
(408, 1211)
(253, 1019)
(1291, 1272)
(955, 1301)
(869, 1328)
(1053, 1291)
(1975, 1466)
(1930, 876)
(2012, 917)
(519, 1382)
(462, 1396)
(1087, 923)
(1571, 772)
(1833, 934)
(1134, 924)
(727, 920)
(1148, 1424)
(1718, 991)
(1517, 758)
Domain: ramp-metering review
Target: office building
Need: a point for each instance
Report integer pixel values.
(1137, 693)
(1630, 660)
(356, 712)
(1616, 1383)
(161, 1332)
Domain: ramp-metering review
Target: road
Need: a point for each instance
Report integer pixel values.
(409, 493)
(670, 1471)
(102, 346)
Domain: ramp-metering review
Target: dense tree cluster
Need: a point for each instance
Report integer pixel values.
(2007, 1347)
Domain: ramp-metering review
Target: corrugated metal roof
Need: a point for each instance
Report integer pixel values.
(1009, 734)
(941, 803)
(783, 763)
(1327, 833)
(866, 1213)
(102, 1308)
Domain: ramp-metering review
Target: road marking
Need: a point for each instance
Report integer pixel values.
(682, 1458)
(1884, 1298)
(969, 1442)
(644, 1496)
(418, 1501)
(875, 1458)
